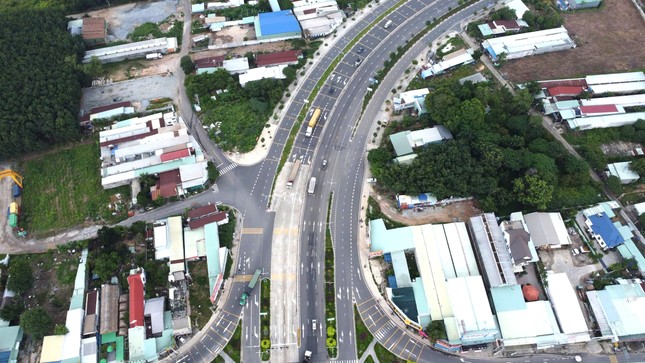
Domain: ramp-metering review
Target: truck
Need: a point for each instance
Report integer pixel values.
(312, 185)
(250, 287)
(152, 56)
(312, 122)
(16, 190)
(307, 356)
(294, 173)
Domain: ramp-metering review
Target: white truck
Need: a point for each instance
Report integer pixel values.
(311, 190)
(153, 56)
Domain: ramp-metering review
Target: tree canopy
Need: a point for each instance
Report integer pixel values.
(499, 154)
(21, 276)
(36, 322)
(40, 82)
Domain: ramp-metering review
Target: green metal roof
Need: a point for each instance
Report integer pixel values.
(508, 298)
(212, 253)
(400, 143)
(389, 240)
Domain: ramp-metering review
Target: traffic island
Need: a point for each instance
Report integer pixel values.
(363, 336)
(265, 320)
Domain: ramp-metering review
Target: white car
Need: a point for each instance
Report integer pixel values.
(371, 180)
(313, 324)
(575, 251)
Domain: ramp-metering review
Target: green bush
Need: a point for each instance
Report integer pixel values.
(265, 344)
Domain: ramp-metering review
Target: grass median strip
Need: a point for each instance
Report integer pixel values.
(330, 289)
(265, 320)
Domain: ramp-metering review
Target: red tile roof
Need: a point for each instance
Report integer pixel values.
(110, 107)
(94, 28)
(202, 211)
(168, 181)
(565, 90)
(289, 56)
(173, 155)
(598, 109)
(136, 300)
(209, 62)
(201, 222)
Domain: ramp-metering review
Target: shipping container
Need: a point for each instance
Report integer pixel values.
(14, 208)
(13, 220)
(16, 190)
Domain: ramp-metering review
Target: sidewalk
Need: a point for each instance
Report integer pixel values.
(262, 148)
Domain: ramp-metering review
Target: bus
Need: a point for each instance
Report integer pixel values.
(312, 185)
(312, 123)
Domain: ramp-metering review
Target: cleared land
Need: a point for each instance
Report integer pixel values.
(63, 189)
(609, 39)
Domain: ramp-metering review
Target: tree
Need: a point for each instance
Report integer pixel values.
(213, 173)
(614, 184)
(94, 68)
(504, 13)
(290, 73)
(106, 265)
(638, 166)
(12, 311)
(442, 105)
(21, 276)
(187, 64)
(60, 329)
(533, 191)
(36, 322)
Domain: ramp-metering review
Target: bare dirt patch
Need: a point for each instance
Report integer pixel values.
(241, 51)
(609, 39)
(619, 148)
(233, 34)
(454, 212)
(138, 68)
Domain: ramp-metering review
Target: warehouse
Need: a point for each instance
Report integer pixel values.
(279, 25)
(287, 57)
(132, 50)
(404, 141)
(449, 61)
(527, 44)
(547, 230)
(257, 74)
(629, 82)
(618, 310)
(567, 308)
(492, 250)
(601, 122)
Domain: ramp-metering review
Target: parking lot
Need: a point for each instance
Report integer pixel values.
(136, 90)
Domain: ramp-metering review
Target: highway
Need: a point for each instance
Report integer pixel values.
(248, 189)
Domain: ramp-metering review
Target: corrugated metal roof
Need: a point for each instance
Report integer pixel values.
(471, 310)
(615, 78)
(174, 155)
(401, 270)
(547, 229)
(565, 91)
(110, 107)
(566, 305)
(630, 87)
(493, 251)
(598, 109)
(382, 238)
(135, 284)
(278, 22)
(602, 226)
(212, 218)
(168, 182)
(202, 211)
(287, 56)
(94, 28)
(434, 282)
(176, 235)
(154, 308)
(109, 321)
(625, 101)
(400, 143)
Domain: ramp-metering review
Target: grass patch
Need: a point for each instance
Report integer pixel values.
(265, 319)
(234, 346)
(218, 359)
(200, 303)
(384, 355)
(374, 212)
(63, 189)
(369, 359)
(66, 271)
(363, 335)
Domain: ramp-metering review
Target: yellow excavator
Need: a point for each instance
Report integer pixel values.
(15, 176)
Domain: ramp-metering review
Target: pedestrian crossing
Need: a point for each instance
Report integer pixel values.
(215, 188)
(345, 361)
(227, 168)
(384, 330)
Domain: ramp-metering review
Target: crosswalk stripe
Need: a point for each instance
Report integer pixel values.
(227, 168)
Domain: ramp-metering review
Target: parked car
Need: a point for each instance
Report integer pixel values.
(360, 50)
(371, 180)
(358, 62)
(331, 90)
(575, 251)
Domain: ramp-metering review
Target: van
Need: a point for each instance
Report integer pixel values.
(387, 24)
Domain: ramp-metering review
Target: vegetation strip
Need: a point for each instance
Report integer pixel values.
(234, 345)
(296, 127)
(330, 289)
(265, 319)
(363, 335)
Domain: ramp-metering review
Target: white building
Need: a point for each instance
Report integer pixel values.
(618, 310)
(623, 172)
(259, 73)
(602, 122)
(318, 18)
(451, 60)
(616, 82)
(411, 99)
(624, 101)
(518, 6)
(567, 308)
(132, 50)
(526, 44)
(547, 230)
(404, 141)
(153, 144)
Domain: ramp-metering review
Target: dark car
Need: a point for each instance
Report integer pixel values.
(331, 90)
(360, 50)
(358, 62)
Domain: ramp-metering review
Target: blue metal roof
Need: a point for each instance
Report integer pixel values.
(278, 22)
(602, 226)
